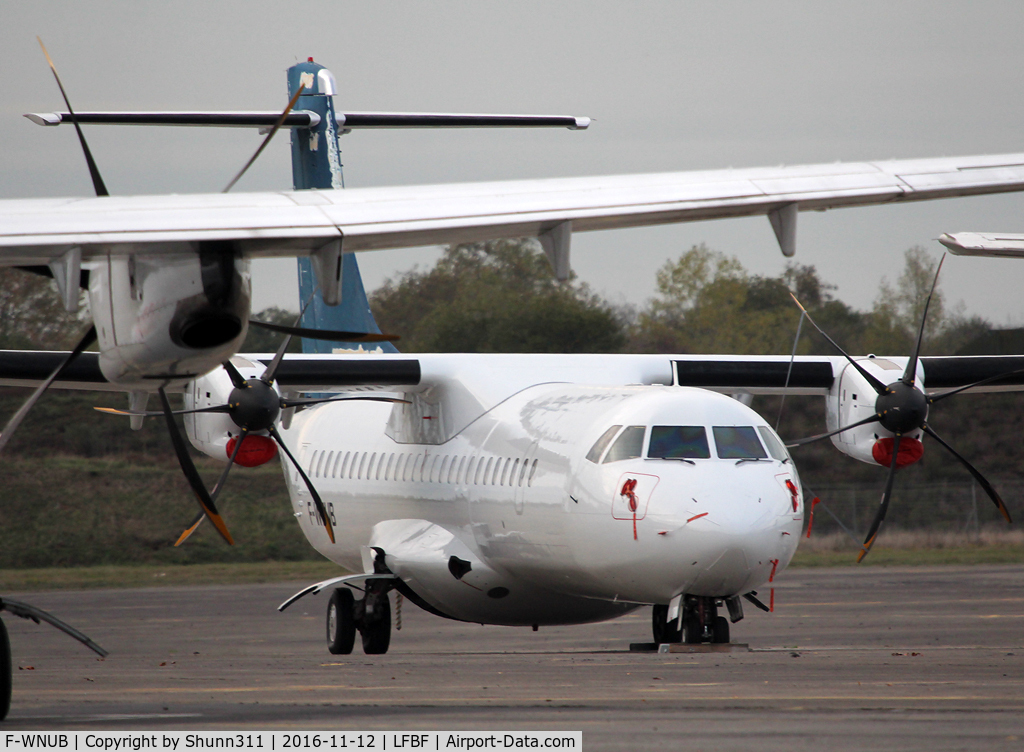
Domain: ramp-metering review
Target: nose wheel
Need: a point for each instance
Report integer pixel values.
(371, 617)
(700, 623)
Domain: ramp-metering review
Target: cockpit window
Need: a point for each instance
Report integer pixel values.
(594, 455)
(738, 442)
(775, 447)
(678, 442)
(628, 446)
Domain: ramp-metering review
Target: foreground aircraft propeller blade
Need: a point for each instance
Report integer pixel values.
(237, 380)
(982, 481)
(286, 403)
(820, 436)
(326, 334)
(320, 508)
(206, 503)
(25, 611)
(982, 382)
(910, 374)
(883, 507)
(94, 173)
(877, 385)
(155, 413)
(15, 421)
(273, 131)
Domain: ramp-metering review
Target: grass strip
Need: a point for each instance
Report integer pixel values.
(148, 575)
(908, 557)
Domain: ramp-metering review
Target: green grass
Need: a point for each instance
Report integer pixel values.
(147, 575)
(908, 557)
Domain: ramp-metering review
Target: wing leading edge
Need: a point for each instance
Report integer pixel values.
(298, 222)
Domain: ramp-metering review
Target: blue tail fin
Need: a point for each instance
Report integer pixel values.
(316, 163)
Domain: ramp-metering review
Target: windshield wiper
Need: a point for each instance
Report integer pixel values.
(752, 459)
(672, 459)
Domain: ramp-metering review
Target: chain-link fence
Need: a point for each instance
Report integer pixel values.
(957, 508)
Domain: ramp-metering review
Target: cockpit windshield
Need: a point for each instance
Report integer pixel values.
(775, 447)
(678, 442)
(628, 446)
(738, 443)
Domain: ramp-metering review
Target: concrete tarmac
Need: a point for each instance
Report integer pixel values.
(854, 658)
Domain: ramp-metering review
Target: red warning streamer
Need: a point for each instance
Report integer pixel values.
(810, 519)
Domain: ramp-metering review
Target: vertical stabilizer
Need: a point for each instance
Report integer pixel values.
(316, 163)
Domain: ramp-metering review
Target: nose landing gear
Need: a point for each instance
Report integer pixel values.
(700, 622)
(371, 617)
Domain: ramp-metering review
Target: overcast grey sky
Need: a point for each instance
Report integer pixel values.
(671, 85)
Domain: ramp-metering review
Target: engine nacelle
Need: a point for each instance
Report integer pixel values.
(215, 434)
(169, 315)
(852, 398)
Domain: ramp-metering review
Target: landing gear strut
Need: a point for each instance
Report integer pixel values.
(5, 672)
(700, 622)
(371, 617)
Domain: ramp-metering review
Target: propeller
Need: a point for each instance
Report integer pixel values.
(254, 406)
(90, 335)
(327, 334)
(273, 131)
(901, 408)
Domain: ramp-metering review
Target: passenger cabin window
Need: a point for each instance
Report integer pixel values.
(738, 443)
(775, 447)
(594, 455)
(678, 443)
(628, 446)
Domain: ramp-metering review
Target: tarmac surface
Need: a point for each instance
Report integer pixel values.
(853, 658)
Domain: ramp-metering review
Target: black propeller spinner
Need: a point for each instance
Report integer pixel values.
(902, 408)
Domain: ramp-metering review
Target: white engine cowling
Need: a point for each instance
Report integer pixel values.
(852, 398)
(168, 315)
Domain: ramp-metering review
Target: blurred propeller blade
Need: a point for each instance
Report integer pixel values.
(155, 413)
(869, 541)
(25, 611)
(910, 375)
(320, 508)
(286, 403)
(194, 525)
(877, 385)
(325, 334)
(18, 417)
(94, 173)
(237, 380)
(820, 436)
(989, 489)
(273, 132)
(989, 380)
(206, 503)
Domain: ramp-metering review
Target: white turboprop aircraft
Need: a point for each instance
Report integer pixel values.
(505, 489)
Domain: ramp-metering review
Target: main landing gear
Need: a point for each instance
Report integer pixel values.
(371, 617)
(700, 622)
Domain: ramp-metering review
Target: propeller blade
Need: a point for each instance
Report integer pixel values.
(206, 503)
(194, 525)
(910, 375)
(273, 132)
(820, 436)
(877, 385)
(25, 611)
(332, 336)
(320, 508)
(94, 173)
(869, 541)
(237, 380)
(989, 489)
(990, 379)
(155, 413)
(285, 404)
(18, 417)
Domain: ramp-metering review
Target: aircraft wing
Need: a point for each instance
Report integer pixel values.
(290, 223)
(495, 375)
(1002, 244)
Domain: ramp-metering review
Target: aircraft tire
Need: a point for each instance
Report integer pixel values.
(341, 622)
(6, 677)
(376, 626)
(693, 630)
(721, 630)
(664, 632)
